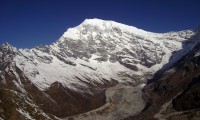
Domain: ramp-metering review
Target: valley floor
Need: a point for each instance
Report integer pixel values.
(121, 101)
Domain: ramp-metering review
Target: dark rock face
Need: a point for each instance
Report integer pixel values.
(190, 98)
(72, 102)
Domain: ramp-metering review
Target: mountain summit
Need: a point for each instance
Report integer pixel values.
(73, 74)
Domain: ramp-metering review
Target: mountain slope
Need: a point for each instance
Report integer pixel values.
(71, 75)
(175, 94)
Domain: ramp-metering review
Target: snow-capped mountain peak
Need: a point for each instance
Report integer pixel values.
(97, 51)
(98, 26)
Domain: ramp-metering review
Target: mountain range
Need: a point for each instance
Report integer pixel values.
(103, 70)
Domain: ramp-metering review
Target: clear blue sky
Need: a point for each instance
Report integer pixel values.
(28, 23)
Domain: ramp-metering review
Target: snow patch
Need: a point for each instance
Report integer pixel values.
(25, 114)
